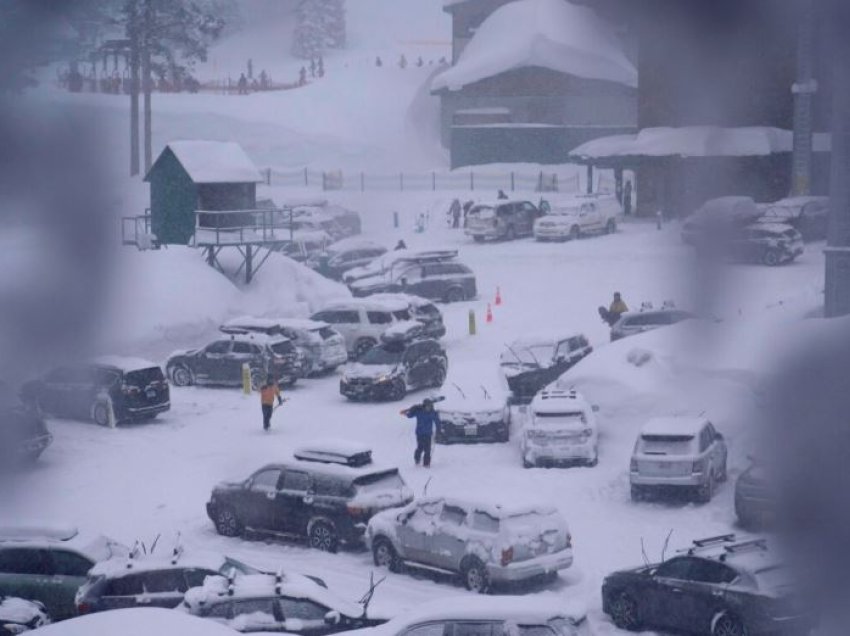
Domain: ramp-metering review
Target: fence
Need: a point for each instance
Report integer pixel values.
(424, 181)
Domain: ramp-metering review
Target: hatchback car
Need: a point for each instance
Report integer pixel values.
(529, 364)
(635, 322)
(503, 220)
(561, 430)
(282, 602)
(484, 544)
(422, 310)
(220, 362)
(445, 280)
(766, 243)
(326, 493)
(49, 564)
(676, 454)
(109, 391)
(362, 322)
(392, 369)
(18, 615)
(717, 587)
(344, 255)
(580, 216)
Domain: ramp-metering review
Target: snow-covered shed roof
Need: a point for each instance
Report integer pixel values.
(214, 161)
(553, 34)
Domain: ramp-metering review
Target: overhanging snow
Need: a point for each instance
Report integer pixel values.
(215, 161)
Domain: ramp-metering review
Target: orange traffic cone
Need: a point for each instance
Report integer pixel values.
(498, 296)
(489, 318)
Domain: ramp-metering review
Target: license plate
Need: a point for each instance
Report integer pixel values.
(150, 393)
(470, 429)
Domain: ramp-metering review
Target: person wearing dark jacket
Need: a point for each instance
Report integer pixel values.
(426, 422)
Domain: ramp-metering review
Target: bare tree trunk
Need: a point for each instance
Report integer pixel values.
(148, 82)
(134, 89)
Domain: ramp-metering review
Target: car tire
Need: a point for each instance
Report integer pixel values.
(625, 613)
(439, 377)
(771, 258)
(510, 233)
(575, 233)
(181, 375)
(385, 555)
(100, 413)
(728, 625)
(362, 346)
(398, 390)
(474, 575)
(227, 524)
(638, 493)
(478, 239)
(610, 226)
(322, 536)
(454, 295)
(706, 491)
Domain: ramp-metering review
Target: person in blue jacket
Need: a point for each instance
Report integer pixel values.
(426, 421)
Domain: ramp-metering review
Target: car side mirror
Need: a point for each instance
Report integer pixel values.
(332, 618)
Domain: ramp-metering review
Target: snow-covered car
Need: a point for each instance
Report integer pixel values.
(159, 579)
(48, 564)
(502, 220)
(421, 310)
(676, 454)
(282, 602)
(635, 322)
(755, 499)
(23, 432)
(136, 622)
(220, 362)
(486, 544)
(320, 214)
(808, 215)
(767, 243)
(531, 363)
(396, 366)
(302, 245)
(384, 264)
(583, 215)
(561, 430)
(717, 217)
(488, 616)
(443, 280)
(362, 321)
(326, 492)
(344, 255)
(18, 615)
(109, 390)
(473, 415)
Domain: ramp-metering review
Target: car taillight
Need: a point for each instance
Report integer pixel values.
(633, 466)
(83, 608)
(357, 511)
(507, 556)
(569, 540)
(129, 389)
(698, 467)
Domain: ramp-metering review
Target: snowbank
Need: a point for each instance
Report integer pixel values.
(137, 622)
(552, 34)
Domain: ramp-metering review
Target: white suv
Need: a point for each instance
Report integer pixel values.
(561, 430)
(577, 217)
(362, 322)
(678, 453)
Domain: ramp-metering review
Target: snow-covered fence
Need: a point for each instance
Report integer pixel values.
(564, 180)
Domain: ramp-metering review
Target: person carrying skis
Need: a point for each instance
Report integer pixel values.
(268, 393)
(426, 421)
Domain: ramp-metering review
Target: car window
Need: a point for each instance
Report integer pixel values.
(707, 571)
(252, 605)
(678, 569)
(220, 347)
(266, 480)
(242, 347)
(512, 629)
(222, 610)
(485, 522)
(125, 586)
(576, 343)
(195, 578)
(69, 563)
(413, 352)
(528, 207)
(428, 629)
(302, 609)
(379, 317)
(23, 561)
(453, 515)
(164, 581)
(106, 377)
(297, 481)
(412, 274)
(477, 628)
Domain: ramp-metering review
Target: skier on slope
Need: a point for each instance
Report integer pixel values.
(268, 393)
(427, 420)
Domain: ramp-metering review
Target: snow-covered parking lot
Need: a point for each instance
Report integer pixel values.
(139, 481)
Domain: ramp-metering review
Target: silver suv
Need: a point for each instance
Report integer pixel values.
(678, 454)
(485, 544)
(362, 322)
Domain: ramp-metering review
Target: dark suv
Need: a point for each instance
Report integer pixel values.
(326, 494)
(220, 362)
(110, 391)
(717, 587)
(448, 281)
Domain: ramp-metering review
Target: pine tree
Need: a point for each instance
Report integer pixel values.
(333, 17)
(320, 25)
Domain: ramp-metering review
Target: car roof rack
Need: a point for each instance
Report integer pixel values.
(355, 460)
(708, 542)
(744, 546)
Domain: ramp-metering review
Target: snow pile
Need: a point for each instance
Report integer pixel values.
(17, 610)
(552, 34)
(137, 622)
(215, 161)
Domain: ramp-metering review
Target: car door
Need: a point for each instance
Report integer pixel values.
(703, 593)
(240, 353)
(293, 506)
(415, 531)
(663, 599)
(410, 280)
(211, 361)
(256, 615)
(24, 572)
(302, 616)
(122, 592)
(163, 588)
(68, 571)
(449, 541)
(258, 503)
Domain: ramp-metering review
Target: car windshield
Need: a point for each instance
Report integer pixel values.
(666, 444)
(483, 212)
(283, 348)
(327, 333)
(429, 311)
(143, 377)
(383, 355)
(532, 356)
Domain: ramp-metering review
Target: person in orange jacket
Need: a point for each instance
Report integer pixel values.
(268, 393)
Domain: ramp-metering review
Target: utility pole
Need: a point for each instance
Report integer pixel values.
(804, 89)
(134, 87)
(147, 37)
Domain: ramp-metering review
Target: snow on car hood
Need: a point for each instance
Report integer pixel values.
(473, 405)
(368, 371)
(17, 610)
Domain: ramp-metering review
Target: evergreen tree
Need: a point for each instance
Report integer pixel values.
(320, 25)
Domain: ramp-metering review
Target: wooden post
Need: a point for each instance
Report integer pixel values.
(434, 181)
(401, 180)
(472, 181)
(249, 263)
(324, 181)
(362, 182)
(306, 177)
(513, 183)
(590, 178)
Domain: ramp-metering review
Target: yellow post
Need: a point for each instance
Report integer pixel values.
(472, 329)
(246, 379)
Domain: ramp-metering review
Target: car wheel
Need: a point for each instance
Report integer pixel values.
(227, 523)
(575, 232)
(526, 463)
(611, 226)
(510, 234)
(706, 491)
(323, 537)
(398, 390)
(454, 295)
(475, 576)
(637, 493)
(256, 379)
(439, 377)
(624, 612)
(478, 239)
(728, 625)
(181, 376)
(362, 346)
(100, 413)
(385, 556)
(771, 258)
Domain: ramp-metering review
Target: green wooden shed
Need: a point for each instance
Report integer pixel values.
(190, 177)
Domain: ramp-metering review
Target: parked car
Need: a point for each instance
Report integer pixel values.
(444, 280)
(344, 255)
(503, 220)
(320, 214)
(717, 218)
(676, 454)
(531, 363)
(326, 493)
(580, 216)
(484, 544)
(767, 243)
(282, 602)
(808, 215)
(384, 264)
(396, 366)
(23, 432)
(49, 564)
(488, 616)
(18, 615)
(220, 362)
(362, 322)
(151, 580)
(302, 245)
(109, 390)
(472, 415)
(755, 501)
(635, 322)
(421, 310)
(718, 587)
(561, 430)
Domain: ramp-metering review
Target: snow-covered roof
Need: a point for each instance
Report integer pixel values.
(38, 531)
(215, 161)
(96, 547)
(354, 243)
(332, 446)
(675, 425)
(137, 621)
(553, 34)
(492, 506)
(776, 227)
(122, 565)
(124, 363)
